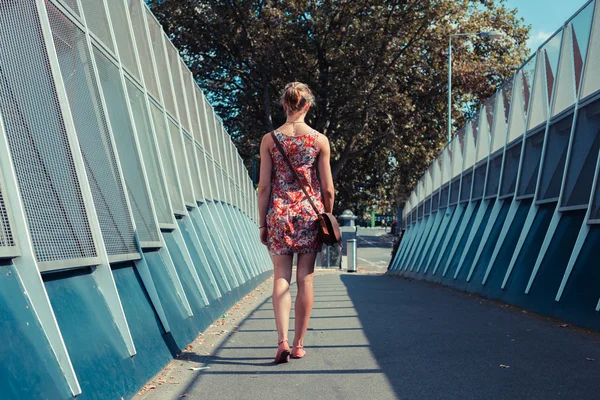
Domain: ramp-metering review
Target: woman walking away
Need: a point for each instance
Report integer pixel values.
(288, 222)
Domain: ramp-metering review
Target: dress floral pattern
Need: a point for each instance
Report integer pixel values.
(291, 220)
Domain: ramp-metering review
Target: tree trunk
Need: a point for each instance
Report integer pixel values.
(267, 105)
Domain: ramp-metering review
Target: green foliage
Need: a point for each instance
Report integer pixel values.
(377, 68)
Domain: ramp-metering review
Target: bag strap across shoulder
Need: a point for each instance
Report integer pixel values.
(297, 177)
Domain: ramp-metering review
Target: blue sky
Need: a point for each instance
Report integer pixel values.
(544, 16)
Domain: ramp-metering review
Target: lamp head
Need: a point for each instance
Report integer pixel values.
(491, 34)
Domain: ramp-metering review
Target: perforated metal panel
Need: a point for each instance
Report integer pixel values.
(538, 112)
(202, 172)
(7, 240)
(190, 90)
(591, 80)
(72, 4)
(116, 102)
(175, 64)
(518, 115)
(164, 145)
(182, 169)
(97, 21)
(120, 25)
(138, 22)
(189, 148)
(581, 26)
(501, 112)
(36, 134)
(565, 82)
(93, 135)
(149, 153)
(156, 39)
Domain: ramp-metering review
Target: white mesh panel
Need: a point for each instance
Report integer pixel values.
(156, 38)
(200, 104)
(565, 84)
(591, 80)
(6, 235)
(538, 112)
(517, 116)
(446, 165)
(179, 152)
(97, 21)
(175, 65)
(427, 183)
(149, 153)
(38, 142)
(164, 145)
(190, 85)
(483, 136)
(469, 151)
(503, 101)
(456, 167)
(581, 24)
(136, 12)
(189, 149)
(92, 132)
(72, 4)
(120, 25)
(116, 103)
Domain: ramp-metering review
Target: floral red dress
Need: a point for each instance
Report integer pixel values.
(291, 221)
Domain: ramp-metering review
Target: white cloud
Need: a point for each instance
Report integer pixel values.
(537, 38)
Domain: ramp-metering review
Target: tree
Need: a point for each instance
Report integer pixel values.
(377, 68)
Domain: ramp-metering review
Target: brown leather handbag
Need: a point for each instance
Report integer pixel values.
(329, 229)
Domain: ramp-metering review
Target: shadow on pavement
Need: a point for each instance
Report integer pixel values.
(433, 343)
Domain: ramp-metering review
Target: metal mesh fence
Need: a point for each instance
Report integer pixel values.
(188, 142)
(156, 38)
(45, 171)
(138, 22)
(97, 21)
(176, 79)
(116, 101)
(72, 4)
(93, 135)
(120, 25)
(149, 153)
(6, 235)
(162, 136)
(182, 169)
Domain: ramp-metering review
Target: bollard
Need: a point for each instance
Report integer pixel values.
(351, 243)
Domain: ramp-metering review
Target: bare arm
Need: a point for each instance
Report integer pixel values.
(264, 184)
(324, 165)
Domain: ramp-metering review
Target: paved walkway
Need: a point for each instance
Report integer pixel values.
(378, 337)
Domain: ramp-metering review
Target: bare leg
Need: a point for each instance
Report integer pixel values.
(282, 300)
(305, 296)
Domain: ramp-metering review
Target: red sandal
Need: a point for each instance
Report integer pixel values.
(283, 352)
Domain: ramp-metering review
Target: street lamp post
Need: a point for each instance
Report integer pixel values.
(488, 35)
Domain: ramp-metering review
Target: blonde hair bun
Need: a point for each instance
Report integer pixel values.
(295, 96)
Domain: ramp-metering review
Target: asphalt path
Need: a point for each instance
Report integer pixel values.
(378, 337)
